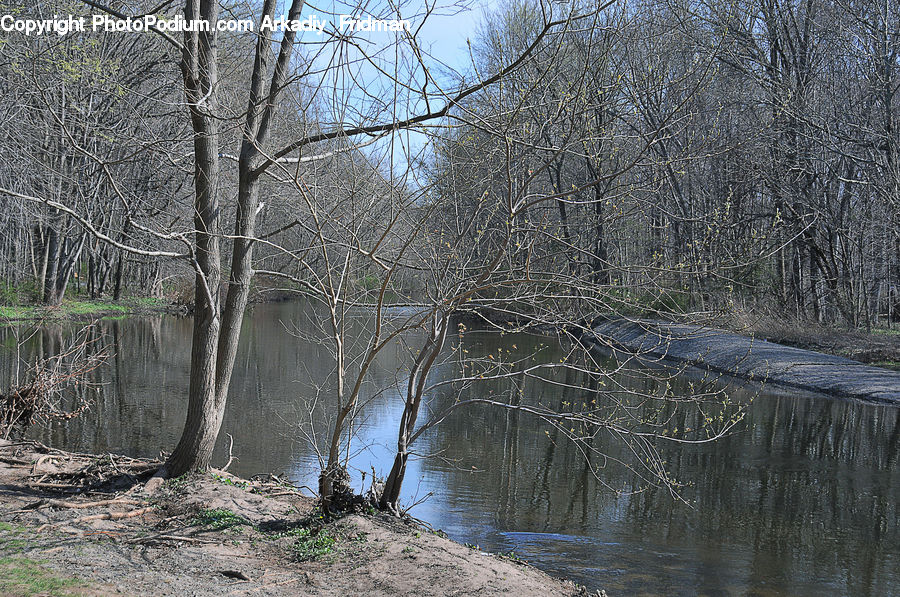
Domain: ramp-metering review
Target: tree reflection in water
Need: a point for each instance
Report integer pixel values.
(801, 500)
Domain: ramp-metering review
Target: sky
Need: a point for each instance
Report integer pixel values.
(443, 36)
(447, 33)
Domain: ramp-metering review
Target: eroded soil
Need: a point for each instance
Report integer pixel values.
(84, 525)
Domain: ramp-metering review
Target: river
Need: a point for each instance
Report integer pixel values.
(802, 499)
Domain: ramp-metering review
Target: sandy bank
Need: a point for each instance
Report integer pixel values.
(79, 525)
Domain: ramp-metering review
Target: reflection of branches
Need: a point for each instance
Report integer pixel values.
(638, 419)
(49, 380)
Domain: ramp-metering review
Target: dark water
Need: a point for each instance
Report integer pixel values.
(801, 500)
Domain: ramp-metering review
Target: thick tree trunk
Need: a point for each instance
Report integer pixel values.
(205, 405)
(205, 409)
(194, 450)
(217, 331)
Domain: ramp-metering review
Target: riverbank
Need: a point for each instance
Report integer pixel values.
(879, 347)
(748, 358)
(88, 310)
(76, 524)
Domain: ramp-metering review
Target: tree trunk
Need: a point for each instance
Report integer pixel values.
(205, 405)
(117, 284)
(51, 264)
(414, 394)
(217, 330)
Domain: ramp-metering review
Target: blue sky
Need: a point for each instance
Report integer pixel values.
(359, 94)
(443, 36)
(447, 34)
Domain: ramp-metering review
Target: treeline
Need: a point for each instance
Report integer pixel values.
(90, 128)
(698, 155)
(676, 156)
(97, 168)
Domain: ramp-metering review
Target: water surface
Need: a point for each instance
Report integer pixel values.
(801, 500)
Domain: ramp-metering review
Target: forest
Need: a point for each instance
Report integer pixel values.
(565, 163)
(684, 156)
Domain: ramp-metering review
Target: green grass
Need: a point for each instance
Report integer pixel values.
(23, 301)
(16, 311)
(70, 307)
(219, 519)
(309, 546)
(23, 576)
(11, 539)
(90, 307)
(178, 483)
(229, 481)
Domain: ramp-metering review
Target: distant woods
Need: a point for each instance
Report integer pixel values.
(697, 156)
(681, 156)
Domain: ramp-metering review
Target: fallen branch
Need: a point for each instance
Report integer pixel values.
(14, 461)
(144, 466)
(230, 456)
(66, 486)
(106, 516)
(281, 493)
(76, 505)
(173, 538)
(41, 461)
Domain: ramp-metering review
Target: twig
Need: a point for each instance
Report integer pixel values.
(230, 457)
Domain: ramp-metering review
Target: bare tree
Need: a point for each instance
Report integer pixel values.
(49, 384)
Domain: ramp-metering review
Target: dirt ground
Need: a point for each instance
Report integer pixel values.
(73, 524)
(875, 349)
